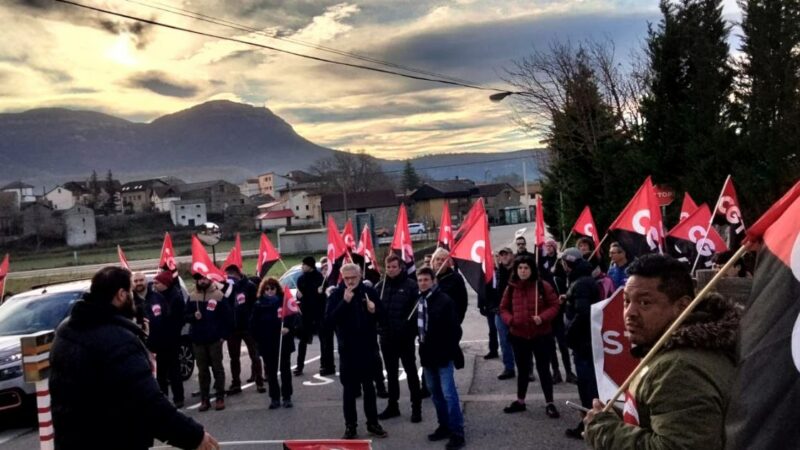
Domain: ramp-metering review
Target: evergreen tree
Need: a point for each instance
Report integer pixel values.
(94, 188)
(110, 205)
(411, 179)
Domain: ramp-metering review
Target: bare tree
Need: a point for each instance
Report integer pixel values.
(352, 172)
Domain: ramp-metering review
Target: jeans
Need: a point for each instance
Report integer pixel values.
(490, 320)
(210, 355)
(396, 351)
(560, 345)
(354, 381)
(541, 348)
(505, 345)
(584, 370)
(168, 373)
(235, 353)
(442, 384)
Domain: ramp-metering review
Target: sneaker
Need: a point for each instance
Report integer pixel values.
(575, 433)
(205, 405)
(179, 404)
(391, 411)
(439, 434)
(327, 371)
(455, 442)
(297, 372)
(234, 389)
(514, 407)
(571, 378)
(506, 375)
(274, 404)
(219, 405)
(557, 378)
(491, 355)
(287, 403)
(416, 414)
(261, 389)
(376, 430)
(350, 432)
(551, 411)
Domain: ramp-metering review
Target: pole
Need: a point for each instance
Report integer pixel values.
(564, 244)
(561, 215)
(711, 221)
(678, 321)
(285, 269)
(525, 192)
(214, 253)
(598, 246)
(46, 434)
(280, 342)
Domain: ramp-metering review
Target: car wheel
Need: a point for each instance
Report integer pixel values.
(186, 359)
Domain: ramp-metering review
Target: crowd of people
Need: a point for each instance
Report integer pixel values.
(537, 309)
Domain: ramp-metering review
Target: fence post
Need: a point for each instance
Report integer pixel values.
(36, 369)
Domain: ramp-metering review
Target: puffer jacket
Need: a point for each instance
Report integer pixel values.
(682, 396)
(519, 306)
(216, 316)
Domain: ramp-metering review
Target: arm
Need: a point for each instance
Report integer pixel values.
(506, 313)
(551, 303)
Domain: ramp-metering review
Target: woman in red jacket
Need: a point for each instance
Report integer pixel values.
(529, 320)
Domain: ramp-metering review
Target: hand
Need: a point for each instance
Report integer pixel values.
(370, 306)
(197, 315)
(208, 443)
(597, 407)
(319, 290)
(146, 326)
(348, 295)
(562, 298)
(537, 320)
(284, 331)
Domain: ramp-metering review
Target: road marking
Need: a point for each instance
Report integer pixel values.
(274, 442)
(9, 435)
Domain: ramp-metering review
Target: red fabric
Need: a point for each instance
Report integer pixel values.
(266, 253)
(167, 261)
(366, 249)
(518, 308)
(642, 216)
(401, 242)
(234, 256)
(290, 306)
(474, 243)
(445, 229)
(3, 274)
(585, 226)
(122, 259)
(202, 264)
(756, 232)
(348, 236)
(336, 246)
(693, 229)
(688, 206)
(539, 236)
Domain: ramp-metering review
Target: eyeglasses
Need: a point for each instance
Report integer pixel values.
(350, 278)
(270, 288)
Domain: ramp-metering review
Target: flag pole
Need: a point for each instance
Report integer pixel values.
(711, 221)
(678, 322)
(280, 340)
(286, 269)
(564, 244)
(596, 249)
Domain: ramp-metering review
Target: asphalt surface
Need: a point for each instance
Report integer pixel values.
(317, 413)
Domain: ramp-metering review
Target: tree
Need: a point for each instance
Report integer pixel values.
(110, 206)
(351, 172)
(410, 180)
(94, 189)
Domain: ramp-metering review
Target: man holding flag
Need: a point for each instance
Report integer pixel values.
(312, 306)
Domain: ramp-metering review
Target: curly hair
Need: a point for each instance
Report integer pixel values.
(273, 283)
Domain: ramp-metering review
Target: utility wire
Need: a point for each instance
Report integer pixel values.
(241, 27)
(269, 47)
(515, 158)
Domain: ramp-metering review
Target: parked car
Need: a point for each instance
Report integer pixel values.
(416, 228)
(382, 232)
(41, 309)
(289, 278)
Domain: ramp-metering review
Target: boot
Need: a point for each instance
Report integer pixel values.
(219, 405)
(205, 405)
(392, 410)
(376, 430)
(575, 433)
(557, 378)
(350, 432)
(571, 378)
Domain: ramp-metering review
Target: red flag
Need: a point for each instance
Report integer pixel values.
(367, 250)
(538, 238)
(267, 256)
(122, 259)
(234, 256)
(611, 350)
(472, 254)
(3, 275)
(585, 226)
(630, 412)
(327, 445)
(728, 207)
(445, 229)
(290, 306)
(336, 246)
(639, 227)
(688, 206)
(348, 236)
(688, 240)
(775, 212)
(202, 264)
(167, 261)
(401, 241)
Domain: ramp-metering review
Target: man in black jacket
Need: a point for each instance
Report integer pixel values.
(505, 262)
(450, 282)
(241, 299)
(397, 334)
(163, 307)
(312, 307)
(353, 309)
(101, 381)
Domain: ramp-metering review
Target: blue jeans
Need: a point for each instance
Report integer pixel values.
(442, 384)
(505, 344)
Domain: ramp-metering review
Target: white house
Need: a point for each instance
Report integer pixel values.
(60, 198)
(163, 197)
(79, 226)
(188, 213)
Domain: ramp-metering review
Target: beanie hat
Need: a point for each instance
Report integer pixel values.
(164, 277)
(571, 255)
(309, 261)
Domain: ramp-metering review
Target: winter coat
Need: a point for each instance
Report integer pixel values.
(518, 308)
(216, 316)
(312, 302)
(265, 327)
(242, 298)
(440, 345)
(682, 395)
(165, 314)
(356, 328)
(398, 299)
(581, 295)
(452, 283)
(618, 275)
(103, 391)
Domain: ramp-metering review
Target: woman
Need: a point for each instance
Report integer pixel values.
(271, 333)
(529, 320)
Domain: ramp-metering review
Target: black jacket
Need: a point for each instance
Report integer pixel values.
(165, 313)
(495, 294)
(242, 298)
(581, 295)
(451, 283)
(265, 326)
(440, 345)
(103, 391)
(356, 328)
(216, 316)
(312, 302)
(398, 299)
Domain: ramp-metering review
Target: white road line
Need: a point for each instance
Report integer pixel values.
(10, 435)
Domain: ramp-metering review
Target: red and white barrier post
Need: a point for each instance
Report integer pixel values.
(36, 369)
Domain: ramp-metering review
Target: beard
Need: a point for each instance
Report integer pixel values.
(128, 308)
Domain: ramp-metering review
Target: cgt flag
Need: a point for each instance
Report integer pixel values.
(401, 242)
(688, 240)
(445, 239)
(538, 237)
(688, 206)
(290, 306)
(123, 261)
(611, 350)
(328, 445)
(267, 256)
(472, 215)
(366, 252)
(202, 264)
(337, 249)
(585, 226)
(348, 236)
(234, 256)
(167, 261)
(472, 254)
(728, 208)
(764, 412)
(639, 227)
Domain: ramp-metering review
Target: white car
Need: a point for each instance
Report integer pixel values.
(416, 228)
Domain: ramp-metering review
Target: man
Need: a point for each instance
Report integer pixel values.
(522, 246)
(582, 293)
(163, 308)
(212, 320)
(241, 299)
(352, 311)
(439, 353)
(505, 262)
(397, 335)
(426, 260)
(312, 307)
(680, 399)
(619, 264)
(327, 362)
(102, 386)
(450, 282)
(139, 293)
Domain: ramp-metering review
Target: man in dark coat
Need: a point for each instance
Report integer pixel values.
(312, 307)
(397, 335)
(353, 311)
(163, 307)
(450, 282)
(505, 262)
(101, 381)
(241, 299)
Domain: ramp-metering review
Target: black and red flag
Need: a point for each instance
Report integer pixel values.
(267, 256)
(167, 261)
(728, 210)
(688, 206)
(445, 229)
(234, 256)
(585, 226)
(639, 227)
(688, 240)
(202, 264)
(764, 412)
(337, 250)
(473, 214)
(472, 254)
(401, 241)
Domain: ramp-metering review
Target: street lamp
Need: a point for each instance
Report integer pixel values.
(498, 97)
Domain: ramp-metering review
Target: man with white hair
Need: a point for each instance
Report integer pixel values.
(450, 282)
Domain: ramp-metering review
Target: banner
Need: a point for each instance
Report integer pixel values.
(290, 306)
(3, 276)
(123, 261)
(728, 208)
(585, 226)
(613, 361)
(472, 254)
(639, 227)
(234, 256)
(445, 239)
(348, 236)
(688, 206)
(688, 241)
(167, 261)
(538, 237)
(202, 264)
(401, 241)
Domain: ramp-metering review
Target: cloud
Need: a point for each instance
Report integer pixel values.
(163, 84)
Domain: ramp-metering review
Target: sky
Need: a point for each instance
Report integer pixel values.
(55, 55)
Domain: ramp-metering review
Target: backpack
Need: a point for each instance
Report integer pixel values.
(606, 286)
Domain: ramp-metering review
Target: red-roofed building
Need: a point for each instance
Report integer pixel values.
(274, 219)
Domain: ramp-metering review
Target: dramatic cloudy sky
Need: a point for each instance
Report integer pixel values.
(58, 55)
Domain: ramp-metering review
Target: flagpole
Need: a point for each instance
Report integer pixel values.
(286, 269)
(598, 246)
(564, 244)
(711, 221)
(280, 341)
(678, 322)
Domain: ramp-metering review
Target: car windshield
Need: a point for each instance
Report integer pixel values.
(290, 278)
(33, 314)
